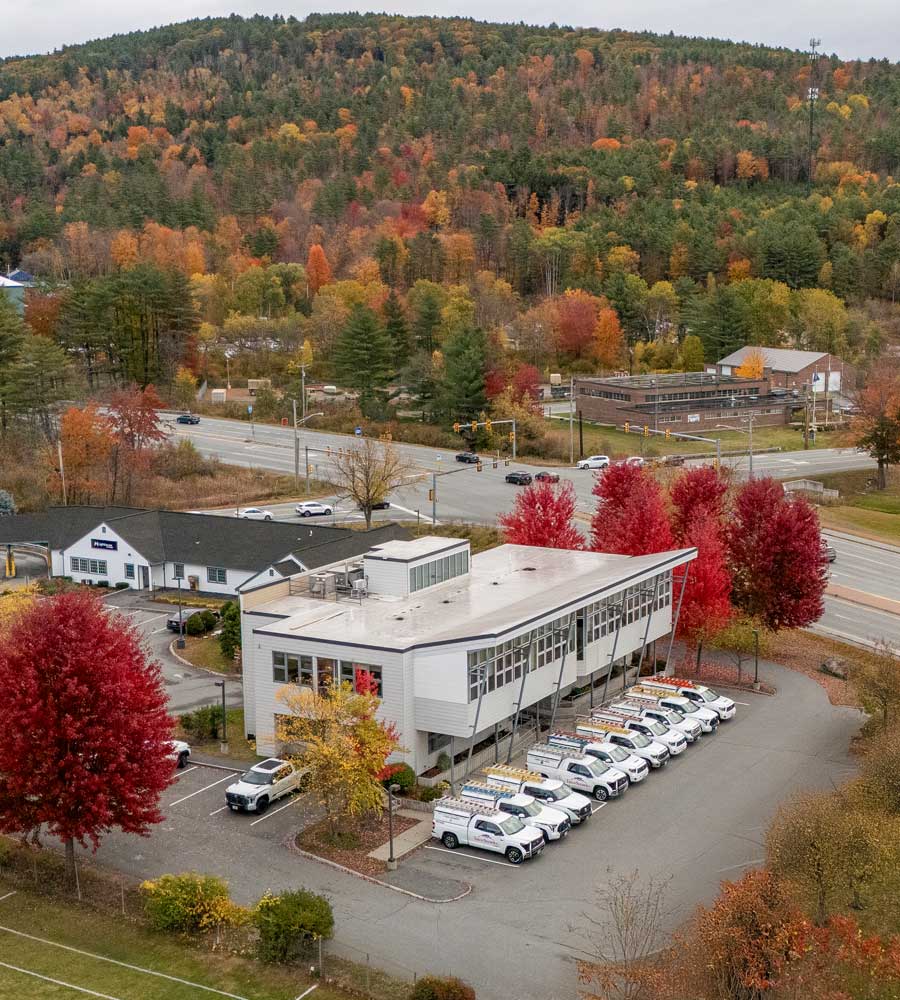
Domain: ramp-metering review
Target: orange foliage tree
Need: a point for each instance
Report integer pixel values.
(318, 270)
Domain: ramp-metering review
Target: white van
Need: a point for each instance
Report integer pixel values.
(636, 768)
(457, 822)
(675, 721)
(673, 741)
(547, 791)
(553, 823)
(706, 717)
(578, 770)
(699, 694)
(655, 754)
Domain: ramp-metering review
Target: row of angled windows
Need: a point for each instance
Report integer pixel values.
(603, 617)
(438, 570)
(317, 672)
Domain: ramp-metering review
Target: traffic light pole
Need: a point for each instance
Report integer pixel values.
(434, 498)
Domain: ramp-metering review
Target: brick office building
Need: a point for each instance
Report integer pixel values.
(789, 369)
(683, 401)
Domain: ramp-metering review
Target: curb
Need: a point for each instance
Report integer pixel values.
(376, 881)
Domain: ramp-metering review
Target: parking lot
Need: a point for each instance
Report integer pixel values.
(699, 820)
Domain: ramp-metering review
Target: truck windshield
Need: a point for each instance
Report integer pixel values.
(657, 728)
(532, 809)
(598, 768)
(707, 695)
(687, 709)
(512, 825)
(618, 754)
(256, 778)
(674, 716)
(639, 740)
(555, 794)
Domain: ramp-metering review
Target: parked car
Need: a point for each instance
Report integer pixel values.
(519, 478)
(553, 823)
(468, 457)
(172, 622)
(313, 508)
(187, 418)
(593, 462)
(256, 514)
(180, 752)
(262, 785)
(458, 823)
(635, 460)
(674, 460)
(547, 477)
(377, 505)
(829, 551)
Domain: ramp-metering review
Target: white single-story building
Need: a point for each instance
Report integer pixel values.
(160, 549)
(447, 635)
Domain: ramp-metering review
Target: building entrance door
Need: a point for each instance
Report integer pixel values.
(145, 577)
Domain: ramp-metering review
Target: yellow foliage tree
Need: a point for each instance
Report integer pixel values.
(753, 365)
(184, 388)
(436, 209)
(13, 603)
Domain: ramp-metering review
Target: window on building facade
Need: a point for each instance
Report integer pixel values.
(290, 669)
(348, 670)
(437, 741)
(129, 571)
(98, 567)
(215, 574)
(438, 570)
(178, 571)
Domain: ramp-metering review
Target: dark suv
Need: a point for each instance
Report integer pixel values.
(469, 457)
(519, 478)
(172, 621)
(187, 418)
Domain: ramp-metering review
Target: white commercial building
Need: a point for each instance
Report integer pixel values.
(458, 643)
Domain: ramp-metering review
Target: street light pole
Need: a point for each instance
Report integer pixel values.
(306, 460)
(223, 745)
(756, 659)
(302, 389)
(391, 861)
(297, 450)
(180, 642)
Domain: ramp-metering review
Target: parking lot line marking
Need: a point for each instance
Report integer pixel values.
(187, 770)
(124, 965)
(474, 857)
(228, 777)
(273, 813)
(7, 895)
(743, 864)
(216, 811)
(156, 631)
(746, 704)
(596, 809)
(306, 993)
(58, 982)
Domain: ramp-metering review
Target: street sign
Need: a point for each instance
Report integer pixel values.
(249, 407)
(358, 432)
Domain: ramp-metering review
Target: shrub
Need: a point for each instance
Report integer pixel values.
(195, 625)
(230, 636)
(432, 793)
(443, 761)
(402, 775)
(190, 902)
(288, 922)
(121, 585)
(203, 723)
(441, 988)
(209, 619)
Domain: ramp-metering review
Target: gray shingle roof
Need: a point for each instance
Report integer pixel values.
(779, 359)
(174, 536)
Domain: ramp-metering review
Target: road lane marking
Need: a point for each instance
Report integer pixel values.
(7, 895)
(273, 813)
(59, 982)
(306, 993)
(474, 857)
(228, 777)
(743, 864)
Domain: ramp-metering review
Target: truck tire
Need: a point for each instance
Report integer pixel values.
(600, 793)
(262, 805)
(450, 841)
(183, 759)
(514, 855)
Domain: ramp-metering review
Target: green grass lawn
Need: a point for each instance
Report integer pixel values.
(205, 651)
(125, 941)
(863, 510)
(238, 747)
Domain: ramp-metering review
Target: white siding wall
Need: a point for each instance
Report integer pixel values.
(115, 560)
(386, 577)
(233, 578)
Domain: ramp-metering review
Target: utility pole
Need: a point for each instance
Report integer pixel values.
(813, 95)
(571, 419)
(515, 439)
(806, 416)
(306, 458)
(302, 390)
(62, 470)
(750, 432)
(434, 498)
(297, 452)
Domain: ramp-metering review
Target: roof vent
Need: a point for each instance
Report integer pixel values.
(494, 583)
(529, 569)
(398, 618)
(445, 601)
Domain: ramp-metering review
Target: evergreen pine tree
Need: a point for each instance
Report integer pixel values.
(363, 355)
(396, 327)
(464, 369)
(12, 336)
(426, 322)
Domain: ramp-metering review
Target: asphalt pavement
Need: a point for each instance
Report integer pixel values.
(698, 821)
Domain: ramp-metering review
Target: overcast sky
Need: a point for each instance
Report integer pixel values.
(862, 29)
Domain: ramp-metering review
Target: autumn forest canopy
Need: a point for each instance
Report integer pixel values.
(417, 198)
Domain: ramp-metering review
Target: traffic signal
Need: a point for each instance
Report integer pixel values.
(668, 433)
(456, 427)
(512, 435)
(646, 431)
(431, 496)
(627, 427)
(474, 426)
(487, 425)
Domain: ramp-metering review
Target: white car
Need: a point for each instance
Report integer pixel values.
(259, 787)
(634, 460)
(256, 514)
(180, 753)
(593, 462)
(312, 508)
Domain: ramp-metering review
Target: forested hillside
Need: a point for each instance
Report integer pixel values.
(406, 195)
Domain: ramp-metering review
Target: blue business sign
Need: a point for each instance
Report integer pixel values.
(104, 543)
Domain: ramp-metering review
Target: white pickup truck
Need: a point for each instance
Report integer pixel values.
(673, 741)
(655, 754)
(699, 694)
(547, 791)
(553, 823)
(636, 768)
(689, 728)
(259, 787)
(458, 823)
(578, 770)
(706, 717)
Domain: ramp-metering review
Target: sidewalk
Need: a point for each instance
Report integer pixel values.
(409, 840)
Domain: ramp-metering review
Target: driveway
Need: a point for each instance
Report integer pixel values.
(701, 820)
(188, 688)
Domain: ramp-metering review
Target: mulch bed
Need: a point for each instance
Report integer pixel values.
(806, 653)
(720, 675)
(372, 834)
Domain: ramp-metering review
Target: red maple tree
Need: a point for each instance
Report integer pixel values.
(706, 605)
(631, 517)
(134, 417)
(84, 745)
(776, 557)
(542, 515)
(697, 493)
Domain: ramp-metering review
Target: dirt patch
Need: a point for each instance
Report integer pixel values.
(721, 675)
(316, 840)
(806, 653)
